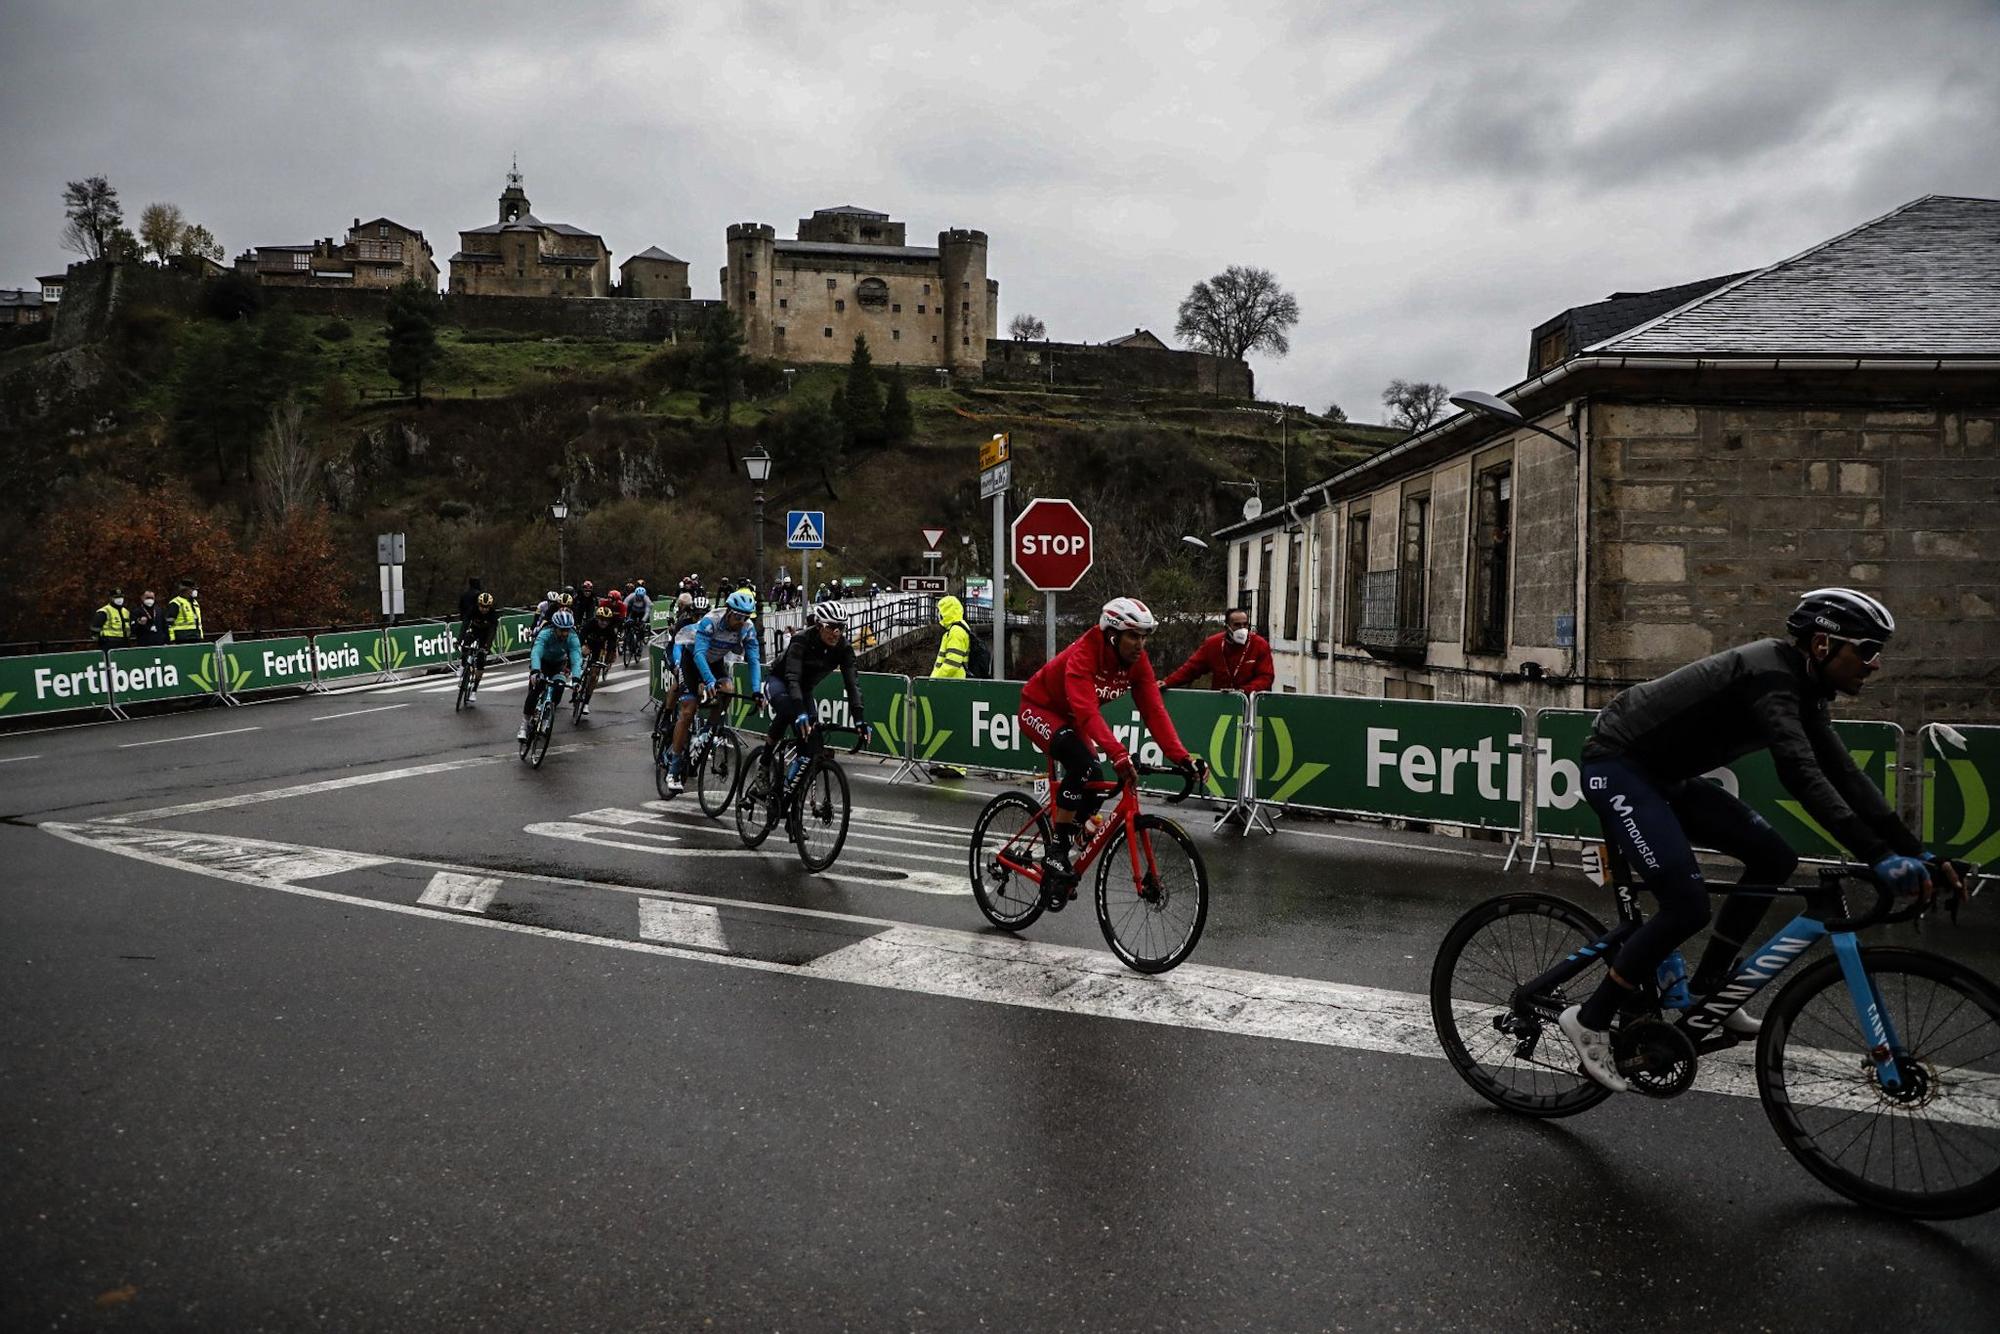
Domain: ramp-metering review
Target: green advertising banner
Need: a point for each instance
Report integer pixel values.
(883, 696)
(656, 667)
(350, 653)
(267, 664)
(1961, 778)
(420, 644)
(512, 636)
(168, 671)
(1561, 811)
(1208, 722)
(1399, 759)
(51, 682)
(971, 724)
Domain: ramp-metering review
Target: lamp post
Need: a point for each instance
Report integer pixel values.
(1499, 409)
(560, 513)
(758, 467)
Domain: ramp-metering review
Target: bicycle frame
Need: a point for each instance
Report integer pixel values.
(1125, 815)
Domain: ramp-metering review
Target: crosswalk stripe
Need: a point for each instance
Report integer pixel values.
(672, 923)
(461, 893)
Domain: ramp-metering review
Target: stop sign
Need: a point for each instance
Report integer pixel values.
(1051, 545)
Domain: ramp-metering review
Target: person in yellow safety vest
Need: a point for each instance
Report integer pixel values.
(112, 624)
(184, 614)
(954, 650)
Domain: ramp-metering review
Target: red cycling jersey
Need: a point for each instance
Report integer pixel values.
(1074, 686)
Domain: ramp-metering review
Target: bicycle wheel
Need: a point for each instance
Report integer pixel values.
(1928, 1150)
(1499, 1050)
(581, 700)
(755, 800)
(1152, 923)
(721, 769)
(538, 740)
(1013, 824)
(464, 685)
(819, 814)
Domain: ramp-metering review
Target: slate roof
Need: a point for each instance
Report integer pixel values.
(654, 252)
(859, 251)
(20, 297)
(481, 256)
(1923, 280)
(1143, 337)
(854, 209)
(528, 222)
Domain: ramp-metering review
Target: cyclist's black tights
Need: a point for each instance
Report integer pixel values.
(1655, 826)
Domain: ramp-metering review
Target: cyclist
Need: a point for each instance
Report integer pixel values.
(475, 638)
(555, 655)
(547, 607)
(1642, 772)
(1061, 710)
(600, 645)
(639, 608)
(806, 661)
(728, 631)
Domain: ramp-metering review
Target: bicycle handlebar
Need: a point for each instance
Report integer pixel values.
(1187, 777)
(1881, 913)
(860, 734)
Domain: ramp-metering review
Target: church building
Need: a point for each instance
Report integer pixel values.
(521, 255)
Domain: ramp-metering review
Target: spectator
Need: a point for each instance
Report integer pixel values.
(1236, 659)
(150, 626)
(111, 626)
(954, 652)
(184, 614)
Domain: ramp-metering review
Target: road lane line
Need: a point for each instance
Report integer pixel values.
(16, 759)
(693, 924)
(356, 713)
(192, 736)
(997, 969)
(460, 893)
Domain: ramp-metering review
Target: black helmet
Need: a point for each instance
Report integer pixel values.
(1843, 613)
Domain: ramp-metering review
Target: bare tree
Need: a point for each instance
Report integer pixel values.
(1414, 404)
(198, 240)
(288, 469)
(1028, 327)
(1238, 311)
(95, 218)
(160, 229)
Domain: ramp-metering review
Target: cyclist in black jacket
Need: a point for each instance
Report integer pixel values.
(812, 654)
(1642, 772)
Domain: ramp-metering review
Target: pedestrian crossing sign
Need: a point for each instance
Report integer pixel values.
(805, 530)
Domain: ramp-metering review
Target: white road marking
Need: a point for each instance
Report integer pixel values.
(879, 875)
(356, 713)
(16, 759)
(671, 923)
(617, 687)
(460, 893)
(192, 736)
(220, 853)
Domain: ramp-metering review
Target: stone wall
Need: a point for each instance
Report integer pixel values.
(1102, 366)
(1544, 544)
(629, 319)
(1710, 520)
(96, 289)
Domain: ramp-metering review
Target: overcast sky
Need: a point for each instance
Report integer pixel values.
(1431, 180)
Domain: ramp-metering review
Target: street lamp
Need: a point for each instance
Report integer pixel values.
(1500, 410)
(758, 468)
(560, 513)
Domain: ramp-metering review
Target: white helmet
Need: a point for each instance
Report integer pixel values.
(1126, 614)
(827, 613)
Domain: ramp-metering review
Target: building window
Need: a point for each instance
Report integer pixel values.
(1492, 542)
(1550, 350)
(829, 284)
(895, 335)
(826, 333)
(896, 308)
(1261, 613)
(1295, 562)
(872, 292)
(301, 260)
(1242, 563)
(1357, 575)
(839, 304)
(920, 310)
(752, 298)
(779, 330)
(933, 338)
(382, 231)
(784, 302)
(1410, 611)
(965, 307)
(927, 289)
(777, 282)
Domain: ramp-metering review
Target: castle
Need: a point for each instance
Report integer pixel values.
(849, 273)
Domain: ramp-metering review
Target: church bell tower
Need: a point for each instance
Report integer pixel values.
(513, 200)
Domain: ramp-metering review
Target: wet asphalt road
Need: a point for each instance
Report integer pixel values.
(230, 1105)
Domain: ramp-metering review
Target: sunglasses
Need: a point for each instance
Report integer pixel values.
(1868, 650)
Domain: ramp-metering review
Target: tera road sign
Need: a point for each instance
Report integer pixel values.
(925, 583)
(1051, 545)
(805, 530)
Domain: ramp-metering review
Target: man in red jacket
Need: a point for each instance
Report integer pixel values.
(1235, 659)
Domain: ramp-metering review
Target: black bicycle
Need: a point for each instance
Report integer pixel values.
(542, 725)
(713, 764)
(806, 787)
(471, 671)
(633, 642)
(1879, 1067)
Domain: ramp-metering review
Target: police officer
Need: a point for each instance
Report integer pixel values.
(112, 624)
(184, 614)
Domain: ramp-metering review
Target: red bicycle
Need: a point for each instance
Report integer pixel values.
(1151, 929)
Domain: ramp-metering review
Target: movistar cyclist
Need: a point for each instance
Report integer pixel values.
(556, 655)
(1060, 708)
(813, 653)
(1642, 772)
(475, 639)
(728, 632)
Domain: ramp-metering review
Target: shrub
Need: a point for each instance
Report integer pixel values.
(335, 330)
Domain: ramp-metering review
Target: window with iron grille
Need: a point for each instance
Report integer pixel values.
(1295, 577)
(1491, 558)
(1412, 560)
(1357, 574)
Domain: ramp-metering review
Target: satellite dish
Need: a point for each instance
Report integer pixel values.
(1252, 508)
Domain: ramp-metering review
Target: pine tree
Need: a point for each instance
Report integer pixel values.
(861, 403)
(718, 372)
(899, 422)
(412, 331)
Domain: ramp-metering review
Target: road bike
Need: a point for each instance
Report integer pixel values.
(593, 672)
(542, 725)
(713, 764)
(806, 787)
(471, 671)
(1154, 927)
(633, 642)
(1878, 1067)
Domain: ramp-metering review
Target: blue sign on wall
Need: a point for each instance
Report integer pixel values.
(805, 530)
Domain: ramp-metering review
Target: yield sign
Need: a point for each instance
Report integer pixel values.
(933, 536)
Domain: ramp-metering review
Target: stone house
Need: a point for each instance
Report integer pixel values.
(521, 255)
(378, 254)
(20, 306)
(1830, 419)
(850, 273)
(654, 273)
(1138, 338)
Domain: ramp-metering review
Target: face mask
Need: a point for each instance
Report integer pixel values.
(149, 602)
(1240, 635)
(194, 592)
(118, 602)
